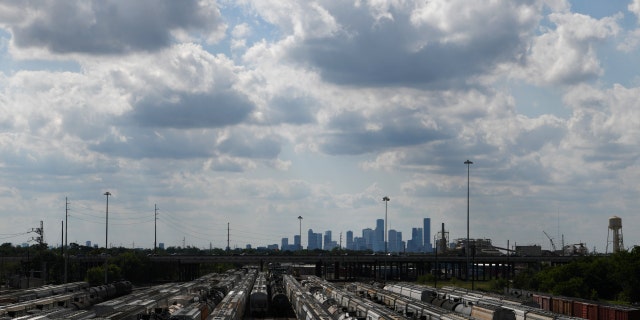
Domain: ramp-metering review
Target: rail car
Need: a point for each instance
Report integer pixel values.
(69, 296)
(233, 305)
(575, 307)
(279, 300)
(259, 298)
(191, 312)
(42, 292)
(193, 299)
(409, 307)
(355, 305)
(94, 295)
(304, 304)
(481, 306)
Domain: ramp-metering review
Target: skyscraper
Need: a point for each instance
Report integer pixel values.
(426, 228)
(415, 244)
(378, 240)
(350, 245)
(312, 242)
(297, 245)
(395, 241)
(368, 236)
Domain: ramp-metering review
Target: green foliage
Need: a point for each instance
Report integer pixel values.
(427, 279)
(613, 277)
(135, 266)
(497, 285)
(95, 275)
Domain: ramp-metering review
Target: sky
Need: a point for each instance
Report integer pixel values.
(234, 117)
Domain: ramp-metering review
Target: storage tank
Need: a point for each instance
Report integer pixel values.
(615, 225)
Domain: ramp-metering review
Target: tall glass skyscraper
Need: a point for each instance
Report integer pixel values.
(378, 236)
(426, 228)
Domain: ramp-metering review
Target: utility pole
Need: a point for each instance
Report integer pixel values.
(40, 232)
(228, 247)
(62, 238)
(155, 228)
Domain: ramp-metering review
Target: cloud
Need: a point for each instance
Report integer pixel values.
(111, 27)
(186, 111)
(429, 44)
(351, 133)
(634, 7)
(567, 54)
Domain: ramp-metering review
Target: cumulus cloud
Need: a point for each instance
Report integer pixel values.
(567, 54)
(632, 38)
(405, 44)
(110, 27)
(319, 107)
(192, 110)
(350, 133)
(634, 7)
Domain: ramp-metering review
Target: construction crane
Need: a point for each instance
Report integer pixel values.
(553, 245)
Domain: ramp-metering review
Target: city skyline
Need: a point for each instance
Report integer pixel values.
(212, 117)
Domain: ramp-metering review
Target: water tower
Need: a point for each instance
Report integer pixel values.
(615, 227)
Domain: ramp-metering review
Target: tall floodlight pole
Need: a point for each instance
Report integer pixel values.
(386, 201)
(300, 234)
(466, 247)
(386, 249)
(106, 237)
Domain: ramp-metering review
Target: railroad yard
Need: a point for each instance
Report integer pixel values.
(248, 293)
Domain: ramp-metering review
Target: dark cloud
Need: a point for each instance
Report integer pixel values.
(181, 144)
(164, 144)
(185, 111)
(293, 110)
(384, 52)
(185, 145)
(351, 136)
(113, 26)
(533, 140)
(245, 145)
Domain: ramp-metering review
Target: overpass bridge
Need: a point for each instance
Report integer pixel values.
(403, 267)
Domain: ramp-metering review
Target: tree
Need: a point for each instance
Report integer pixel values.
(95, 275)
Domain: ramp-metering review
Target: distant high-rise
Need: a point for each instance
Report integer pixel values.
(297, 244)
(327, 240)
(426, 228)
(395, 241)
(368, 236)
(329, 244)
(284, 244)
(359, 244)
(378, 240)
(416, 243)
(350, 245)
(312, 240)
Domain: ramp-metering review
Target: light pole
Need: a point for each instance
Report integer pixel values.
(386, 201)
(466, 247)
(386, 252)
(106, 237)
(300, 232)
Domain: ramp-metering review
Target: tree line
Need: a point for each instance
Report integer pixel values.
(614, 277)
